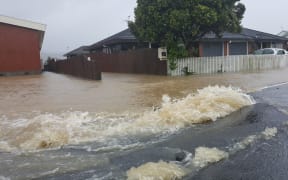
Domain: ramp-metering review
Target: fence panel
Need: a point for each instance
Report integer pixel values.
(208, 65)
(143, 61)
(77, 66)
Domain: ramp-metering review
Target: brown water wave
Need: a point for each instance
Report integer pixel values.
(52, 110)
(73, 127)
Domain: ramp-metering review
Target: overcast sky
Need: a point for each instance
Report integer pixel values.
(73, 23)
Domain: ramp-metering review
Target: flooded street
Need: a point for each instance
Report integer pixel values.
(55, 126)
(51, 92)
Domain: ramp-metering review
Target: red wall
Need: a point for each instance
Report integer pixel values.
(226, 45)
(200, 50)
(19, 49)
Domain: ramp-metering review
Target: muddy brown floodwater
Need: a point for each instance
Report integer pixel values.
(51, 92)
(50, 121)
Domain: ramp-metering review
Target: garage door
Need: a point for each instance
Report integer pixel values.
(238, 48)
(212, 49)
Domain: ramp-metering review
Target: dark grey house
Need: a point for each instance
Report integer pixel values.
(122, 41)
(241, 43)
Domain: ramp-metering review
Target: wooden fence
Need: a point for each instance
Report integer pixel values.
(142, 61)
(76, 66)
(209, 65)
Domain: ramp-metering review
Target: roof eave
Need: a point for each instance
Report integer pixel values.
(22, 23)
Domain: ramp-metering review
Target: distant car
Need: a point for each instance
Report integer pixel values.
(271, 51)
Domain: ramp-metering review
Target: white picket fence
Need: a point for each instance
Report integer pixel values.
(243, 63)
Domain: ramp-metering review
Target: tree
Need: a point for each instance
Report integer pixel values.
(172, 23)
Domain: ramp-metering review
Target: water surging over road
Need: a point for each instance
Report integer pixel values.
(202, 158)
(49, 130)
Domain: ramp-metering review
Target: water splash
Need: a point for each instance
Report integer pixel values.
(55, 130)
(267, 134)
(161, 170)
(206, 105)
(205, 156)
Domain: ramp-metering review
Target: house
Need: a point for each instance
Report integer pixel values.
(77, 52)
(122, 41)
(20, 45)
(241, 43)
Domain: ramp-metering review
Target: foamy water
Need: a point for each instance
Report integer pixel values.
(73, 127)
(206, 105)
(203, 157)
(161, 170)
(55, 130)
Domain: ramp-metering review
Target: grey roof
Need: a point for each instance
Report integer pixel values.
(121, 37)
(262, 35)
(246, 34)
(78, 51)
(226, 36)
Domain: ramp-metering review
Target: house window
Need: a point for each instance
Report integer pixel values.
(106, 50)
(266, 45)
(277, 45)
(212, 48)
(237, 48)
